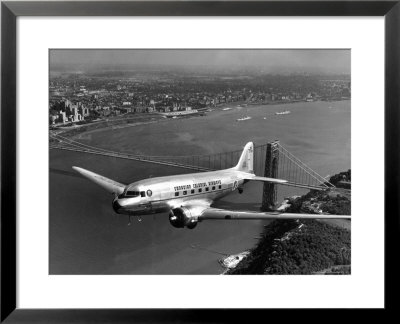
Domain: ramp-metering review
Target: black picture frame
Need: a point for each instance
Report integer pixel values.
(9, 13)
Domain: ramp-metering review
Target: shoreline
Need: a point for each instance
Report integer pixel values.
(132, 120)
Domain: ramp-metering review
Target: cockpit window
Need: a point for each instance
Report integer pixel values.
(142, 194)
(131, 193)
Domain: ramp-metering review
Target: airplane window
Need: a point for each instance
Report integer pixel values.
(132, 193)
(142, 194)
(200, 190)
(185, 192)
(207, 188)
(176, 194)
(219, 187)
(213, 188)
(149, 193)
(192, 191)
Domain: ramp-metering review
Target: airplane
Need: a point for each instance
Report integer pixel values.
(188, 197)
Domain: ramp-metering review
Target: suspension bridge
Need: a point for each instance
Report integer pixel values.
(270, 160)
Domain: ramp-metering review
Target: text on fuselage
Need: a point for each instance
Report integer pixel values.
(198, 185)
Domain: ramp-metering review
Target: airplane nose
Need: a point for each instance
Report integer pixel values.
(116, 205)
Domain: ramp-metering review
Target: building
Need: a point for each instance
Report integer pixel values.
(62, 117)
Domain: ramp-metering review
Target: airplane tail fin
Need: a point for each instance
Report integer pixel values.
(245, 163)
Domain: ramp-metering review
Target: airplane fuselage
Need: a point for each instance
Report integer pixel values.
(162, 194)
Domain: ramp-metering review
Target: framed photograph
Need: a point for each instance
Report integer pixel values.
(185, 140)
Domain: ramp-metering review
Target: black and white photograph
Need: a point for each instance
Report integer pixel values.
(199, 161)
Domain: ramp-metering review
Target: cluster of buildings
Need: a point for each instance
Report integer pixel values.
(101, 103)
(68, 112)
(75, 98)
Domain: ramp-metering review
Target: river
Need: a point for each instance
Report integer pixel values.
(87, 237)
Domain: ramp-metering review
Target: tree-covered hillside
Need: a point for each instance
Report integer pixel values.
(297, 247)
(304, 246)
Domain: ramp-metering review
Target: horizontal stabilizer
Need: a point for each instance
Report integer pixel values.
(108, 184)
(264, 179)
(215, 213)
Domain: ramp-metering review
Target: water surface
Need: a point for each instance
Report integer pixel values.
(87, 237)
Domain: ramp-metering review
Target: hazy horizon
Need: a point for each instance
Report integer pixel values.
(335, 61)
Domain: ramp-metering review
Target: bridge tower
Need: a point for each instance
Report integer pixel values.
(270, 193)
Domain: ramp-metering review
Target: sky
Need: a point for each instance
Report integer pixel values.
(298, 60)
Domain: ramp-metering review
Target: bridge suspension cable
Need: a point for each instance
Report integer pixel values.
(304, 167)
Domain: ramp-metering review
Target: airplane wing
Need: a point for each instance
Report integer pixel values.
(199, 204)
(215, 213)
(108, 184)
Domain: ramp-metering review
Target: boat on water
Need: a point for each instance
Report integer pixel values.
(244, 118)
(233, 260)
(265, 117)
(227, 108)
(282, 112)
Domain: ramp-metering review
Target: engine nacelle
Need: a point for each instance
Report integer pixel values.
(181, 217)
